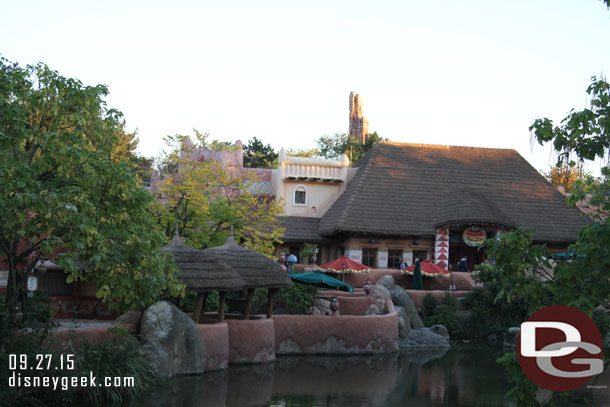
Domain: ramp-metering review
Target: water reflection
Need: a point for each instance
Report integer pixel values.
(465, 376)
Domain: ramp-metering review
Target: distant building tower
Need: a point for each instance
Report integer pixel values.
(358, 125)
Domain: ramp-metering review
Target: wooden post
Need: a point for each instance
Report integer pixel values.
(248, 306)
(198, 307)
(270, 293)
(221, 307)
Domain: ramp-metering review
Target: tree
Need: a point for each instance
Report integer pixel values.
(65, 196)
(207, 198)
(565, 176)
(257, 155)
(583, 282)
(297, 152)
(333, 146)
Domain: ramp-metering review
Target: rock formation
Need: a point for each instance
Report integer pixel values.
(358, 125)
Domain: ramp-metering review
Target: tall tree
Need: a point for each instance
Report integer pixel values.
(207, 197)
(64, 196)
(258, 155)
(583, 282)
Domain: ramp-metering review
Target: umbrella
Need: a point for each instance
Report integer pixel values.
(428, 269)
(344, 265)
(321, 280)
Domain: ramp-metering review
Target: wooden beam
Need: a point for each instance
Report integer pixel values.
(270, 293)
(198, 307)
(248, 307)
(221, 307)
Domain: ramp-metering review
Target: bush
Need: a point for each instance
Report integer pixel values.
(296, 299)
(119, 356)
(429, 303)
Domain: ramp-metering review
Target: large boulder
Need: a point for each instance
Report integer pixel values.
(171, 341)
(442, 331)
(404, 324)
(387, 281)
(130, 321)
(401, 298)
(510, 337)
(381, 295)
(423, 338)
(372, 309)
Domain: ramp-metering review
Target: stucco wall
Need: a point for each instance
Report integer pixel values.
(251, 341)
(354, 304)
(216, 339)
(330, 335)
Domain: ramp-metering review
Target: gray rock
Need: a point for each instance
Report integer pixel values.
(381, 295)
(401, 298)
(404, 325)
(372, 309)
(510, 337)
(387, 282)
(423, 338)
(172, 341)
(442, 331)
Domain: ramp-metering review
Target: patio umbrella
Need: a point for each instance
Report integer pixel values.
(428, 269)
(321, 280)
(344, 265)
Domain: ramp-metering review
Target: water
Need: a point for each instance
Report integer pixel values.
(465, 376)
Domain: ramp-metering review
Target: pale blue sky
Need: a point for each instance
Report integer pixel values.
(474, 72)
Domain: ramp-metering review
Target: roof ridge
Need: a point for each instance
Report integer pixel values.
(398, 143)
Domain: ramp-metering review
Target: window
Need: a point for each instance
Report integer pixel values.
(300, 195)
(420, 254)
(368, 257)
(394, 258)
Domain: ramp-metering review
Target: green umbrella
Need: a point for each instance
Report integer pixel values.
(321, 280)
(417, 283)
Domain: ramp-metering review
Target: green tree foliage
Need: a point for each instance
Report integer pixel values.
(523, 270)
(335, 145)
(258, 155)
(66, 194)
(207, 198)
(298, 152)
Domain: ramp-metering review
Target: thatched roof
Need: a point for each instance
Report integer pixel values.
(411, 189)
(257, 270)
(199, 273)
(302, 229)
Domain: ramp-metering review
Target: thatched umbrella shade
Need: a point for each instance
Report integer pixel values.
(256, 269)
(202, 274)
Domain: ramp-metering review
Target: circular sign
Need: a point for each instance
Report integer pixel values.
(560, 348)
(474, 236)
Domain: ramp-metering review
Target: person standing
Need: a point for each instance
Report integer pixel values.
(463, 265)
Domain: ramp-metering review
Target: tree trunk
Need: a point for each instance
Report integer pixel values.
(248, 307)
(198, 307)
(270, 293)
(221, 307)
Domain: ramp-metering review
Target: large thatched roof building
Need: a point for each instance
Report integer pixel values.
(439, 202)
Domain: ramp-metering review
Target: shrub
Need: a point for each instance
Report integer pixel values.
(429, 303)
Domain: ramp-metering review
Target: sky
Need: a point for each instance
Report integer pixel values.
(472, 73)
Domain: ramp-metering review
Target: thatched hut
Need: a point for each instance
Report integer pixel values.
(203, 275)
(256, 270)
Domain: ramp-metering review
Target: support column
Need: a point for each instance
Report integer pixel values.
(198, 307)
(248, 306)
(441, 248)
(270, 293)
(221, 307)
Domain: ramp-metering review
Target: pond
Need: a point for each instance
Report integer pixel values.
(464, 376)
